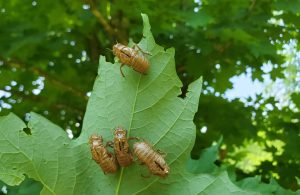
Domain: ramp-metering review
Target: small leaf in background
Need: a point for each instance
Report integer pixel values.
(205, 164)
(255, 184)
(298, 180)
(296, 99)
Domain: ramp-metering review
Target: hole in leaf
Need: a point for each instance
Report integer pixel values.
(27, 131)
(184, 90)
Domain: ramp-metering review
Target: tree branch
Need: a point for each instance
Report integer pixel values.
(35, 98)
(112, 32)
(101, 19)
(53, 80)
(252, 5)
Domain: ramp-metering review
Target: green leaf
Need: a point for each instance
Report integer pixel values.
(205, 164)
(296, 99)
(255, 184)
(43, 155)
(280, 190)
(46, 155)
(147, 106)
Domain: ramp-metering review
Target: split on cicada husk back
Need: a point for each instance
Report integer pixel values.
(121, 147)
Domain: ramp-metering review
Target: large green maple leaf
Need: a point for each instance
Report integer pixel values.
(147, 106)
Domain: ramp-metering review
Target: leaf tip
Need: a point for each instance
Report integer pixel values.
(194, 91)
(197, 84)
(102, 60)
(147, 30)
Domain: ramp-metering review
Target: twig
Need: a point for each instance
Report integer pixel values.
(252, 5)
(101, 19)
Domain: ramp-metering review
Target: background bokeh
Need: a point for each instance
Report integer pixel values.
(49, 53)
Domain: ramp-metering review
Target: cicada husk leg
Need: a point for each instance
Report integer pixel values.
(121, 70)
(109, 49)
(134, 138)
(147, 176)
(162, 153)
(135, 159)
(140, 49)
(109, 144)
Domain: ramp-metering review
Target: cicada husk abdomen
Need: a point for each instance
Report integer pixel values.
(151, 158)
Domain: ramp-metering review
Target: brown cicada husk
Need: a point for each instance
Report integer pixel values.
(151, 158)
(121, 147)
(133, 57)
(101, 155)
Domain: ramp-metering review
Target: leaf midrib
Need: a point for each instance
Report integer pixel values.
(129, 130)
(186, 101)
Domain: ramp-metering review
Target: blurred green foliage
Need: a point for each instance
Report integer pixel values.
(49, 54)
